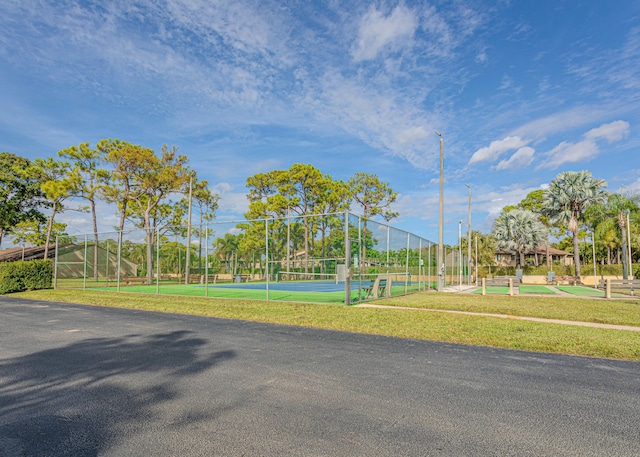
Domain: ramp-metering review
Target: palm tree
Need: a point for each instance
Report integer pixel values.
(616, 209)
(518, 230)
(569, 194)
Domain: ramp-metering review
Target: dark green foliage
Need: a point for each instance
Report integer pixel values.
(21, 276)
(602, 270)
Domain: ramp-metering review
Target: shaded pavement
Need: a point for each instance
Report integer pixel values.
(88, 381)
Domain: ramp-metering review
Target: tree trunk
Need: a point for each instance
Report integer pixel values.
(576, 254)
(149, 233)
(622, 224)
(625, 261)
(49, 229)
(95, 240)
(306, 244)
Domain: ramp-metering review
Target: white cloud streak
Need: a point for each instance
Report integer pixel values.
(587, 149)
(497, 148)
(522, 158)
(378, 32)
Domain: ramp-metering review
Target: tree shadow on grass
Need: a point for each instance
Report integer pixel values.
(77, 399)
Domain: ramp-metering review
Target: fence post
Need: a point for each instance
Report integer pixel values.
(206, 261)
(55, 266)
(119, 256)
(510, 287)
(484, 286)
(266, 271)
(84, 266)
(157, 243)
(406, 278)
(429, 268)
(419, 264)
(607, 288)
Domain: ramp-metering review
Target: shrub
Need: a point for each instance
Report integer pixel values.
(30, 275)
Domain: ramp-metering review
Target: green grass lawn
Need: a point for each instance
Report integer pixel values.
(496, 290)
(412, 323)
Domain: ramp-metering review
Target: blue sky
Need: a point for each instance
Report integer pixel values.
(520, 90)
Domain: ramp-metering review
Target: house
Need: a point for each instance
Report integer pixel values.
(538, 256)
(74, 260)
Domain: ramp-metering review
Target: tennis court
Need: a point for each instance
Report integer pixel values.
(523, 289)
(327, 290)
(583, 291)
(297, 258)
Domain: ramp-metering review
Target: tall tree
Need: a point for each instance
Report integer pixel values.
(615, 212)
(154, 178)
(518, 230)
(568, 196)
(141, 181)
(20, 193)
(59, 182)
(35, 232)
(118, 188)
(87, 163)
(206, 204)
(297, 190)
(335, 196)
(534, 201)
(375, 197)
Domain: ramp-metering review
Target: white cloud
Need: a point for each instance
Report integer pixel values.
(381, 118)
(587, 149)
(506, 83)
(559, 122)
(412, 135)
(230, 203)
(632, 188)
(497, 148)
(522, 158)
(567, 152)
(614, 131)
(378, 32)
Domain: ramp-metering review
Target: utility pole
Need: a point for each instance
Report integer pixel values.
(469, 237)
(441, 271)
(187, 269)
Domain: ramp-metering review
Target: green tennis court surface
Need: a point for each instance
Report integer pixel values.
(293, 291)
(582, 291)
(504, 290)
(497, 290)
(536, 290)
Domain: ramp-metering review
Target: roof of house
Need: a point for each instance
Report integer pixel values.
(539, 250)
(32, 253)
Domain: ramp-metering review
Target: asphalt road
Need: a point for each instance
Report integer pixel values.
(88, 381)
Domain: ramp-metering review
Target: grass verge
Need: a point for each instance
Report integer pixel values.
(618, 312)
(464, 329)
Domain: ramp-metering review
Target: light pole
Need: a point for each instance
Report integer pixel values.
(188, 256)
(441, 221)
(629, 243)
(469, 237)
(460, 254)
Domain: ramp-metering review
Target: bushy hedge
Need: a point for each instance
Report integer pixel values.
(585, 269)
(30, 275)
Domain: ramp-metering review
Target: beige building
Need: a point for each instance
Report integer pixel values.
(538, 256)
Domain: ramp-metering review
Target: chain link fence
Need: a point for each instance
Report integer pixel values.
(326, 258)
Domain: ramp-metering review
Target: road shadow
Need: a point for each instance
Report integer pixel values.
(77, 399)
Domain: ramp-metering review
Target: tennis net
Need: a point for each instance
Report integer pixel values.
(284, 276)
